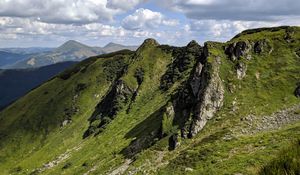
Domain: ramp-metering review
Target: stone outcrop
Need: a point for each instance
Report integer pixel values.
(241, 69)
(238, 49)
(199, 100)
(262, 46)
(119, 95)
(209, 97)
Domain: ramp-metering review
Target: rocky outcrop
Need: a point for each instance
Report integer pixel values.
(185, 59)
(209, 97)
(200, 98)
(119, 95)
(289, 34)
(262, 46)
(238, 49)
(241, 69)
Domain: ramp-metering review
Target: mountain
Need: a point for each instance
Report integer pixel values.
(221, 108)
(26, 51)
(113, 47)
(69, 51)
(8, 58)
(16, 83)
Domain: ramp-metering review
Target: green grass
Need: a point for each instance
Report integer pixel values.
(286, 162)
(31, 133)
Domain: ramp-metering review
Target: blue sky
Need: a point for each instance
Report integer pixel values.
(49, 23)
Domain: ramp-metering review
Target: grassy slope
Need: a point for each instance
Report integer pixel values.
(35, 137)
(211, 152)
(39, 114)
(17, 155)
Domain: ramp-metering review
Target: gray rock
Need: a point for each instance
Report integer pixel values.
(241, 69)
(210, 98)
(237, 50)
(262, 46)
(258, 47)
(195, 82)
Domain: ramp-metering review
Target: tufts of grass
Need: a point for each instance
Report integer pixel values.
(286, 162)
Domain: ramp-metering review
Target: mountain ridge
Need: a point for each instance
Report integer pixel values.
(69, 51)
(221, 108)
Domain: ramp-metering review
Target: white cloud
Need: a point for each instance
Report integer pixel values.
(251, 10)
(59, 11)
(223, 30)
(145, 18)
(124, 4)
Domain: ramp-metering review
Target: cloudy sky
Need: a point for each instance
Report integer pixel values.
(49, 23)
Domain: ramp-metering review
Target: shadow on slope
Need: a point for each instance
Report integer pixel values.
(144, 134)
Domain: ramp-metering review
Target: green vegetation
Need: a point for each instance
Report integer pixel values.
(286, 162)
(125, 102)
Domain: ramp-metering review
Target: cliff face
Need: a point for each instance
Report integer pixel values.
(209, 95)
(221, 108)
(201, 96)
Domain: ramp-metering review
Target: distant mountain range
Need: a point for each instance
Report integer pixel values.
(69, 51)
(8, 58)
(28, 50)
(16, 83)
(26, 68)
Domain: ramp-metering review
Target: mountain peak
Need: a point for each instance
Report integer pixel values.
(71, 44)
(150, 42)
(112, 44)
(192, 43)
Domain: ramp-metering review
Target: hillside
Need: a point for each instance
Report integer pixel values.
(16, 83)
(8, 58)
(112, 47)
(69, 51)
(221, 108)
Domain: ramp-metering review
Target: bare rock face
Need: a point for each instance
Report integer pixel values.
(262, 46)
(238, 49)
(241, 69)
(201, 97)
(209, 99)
(196, 79)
